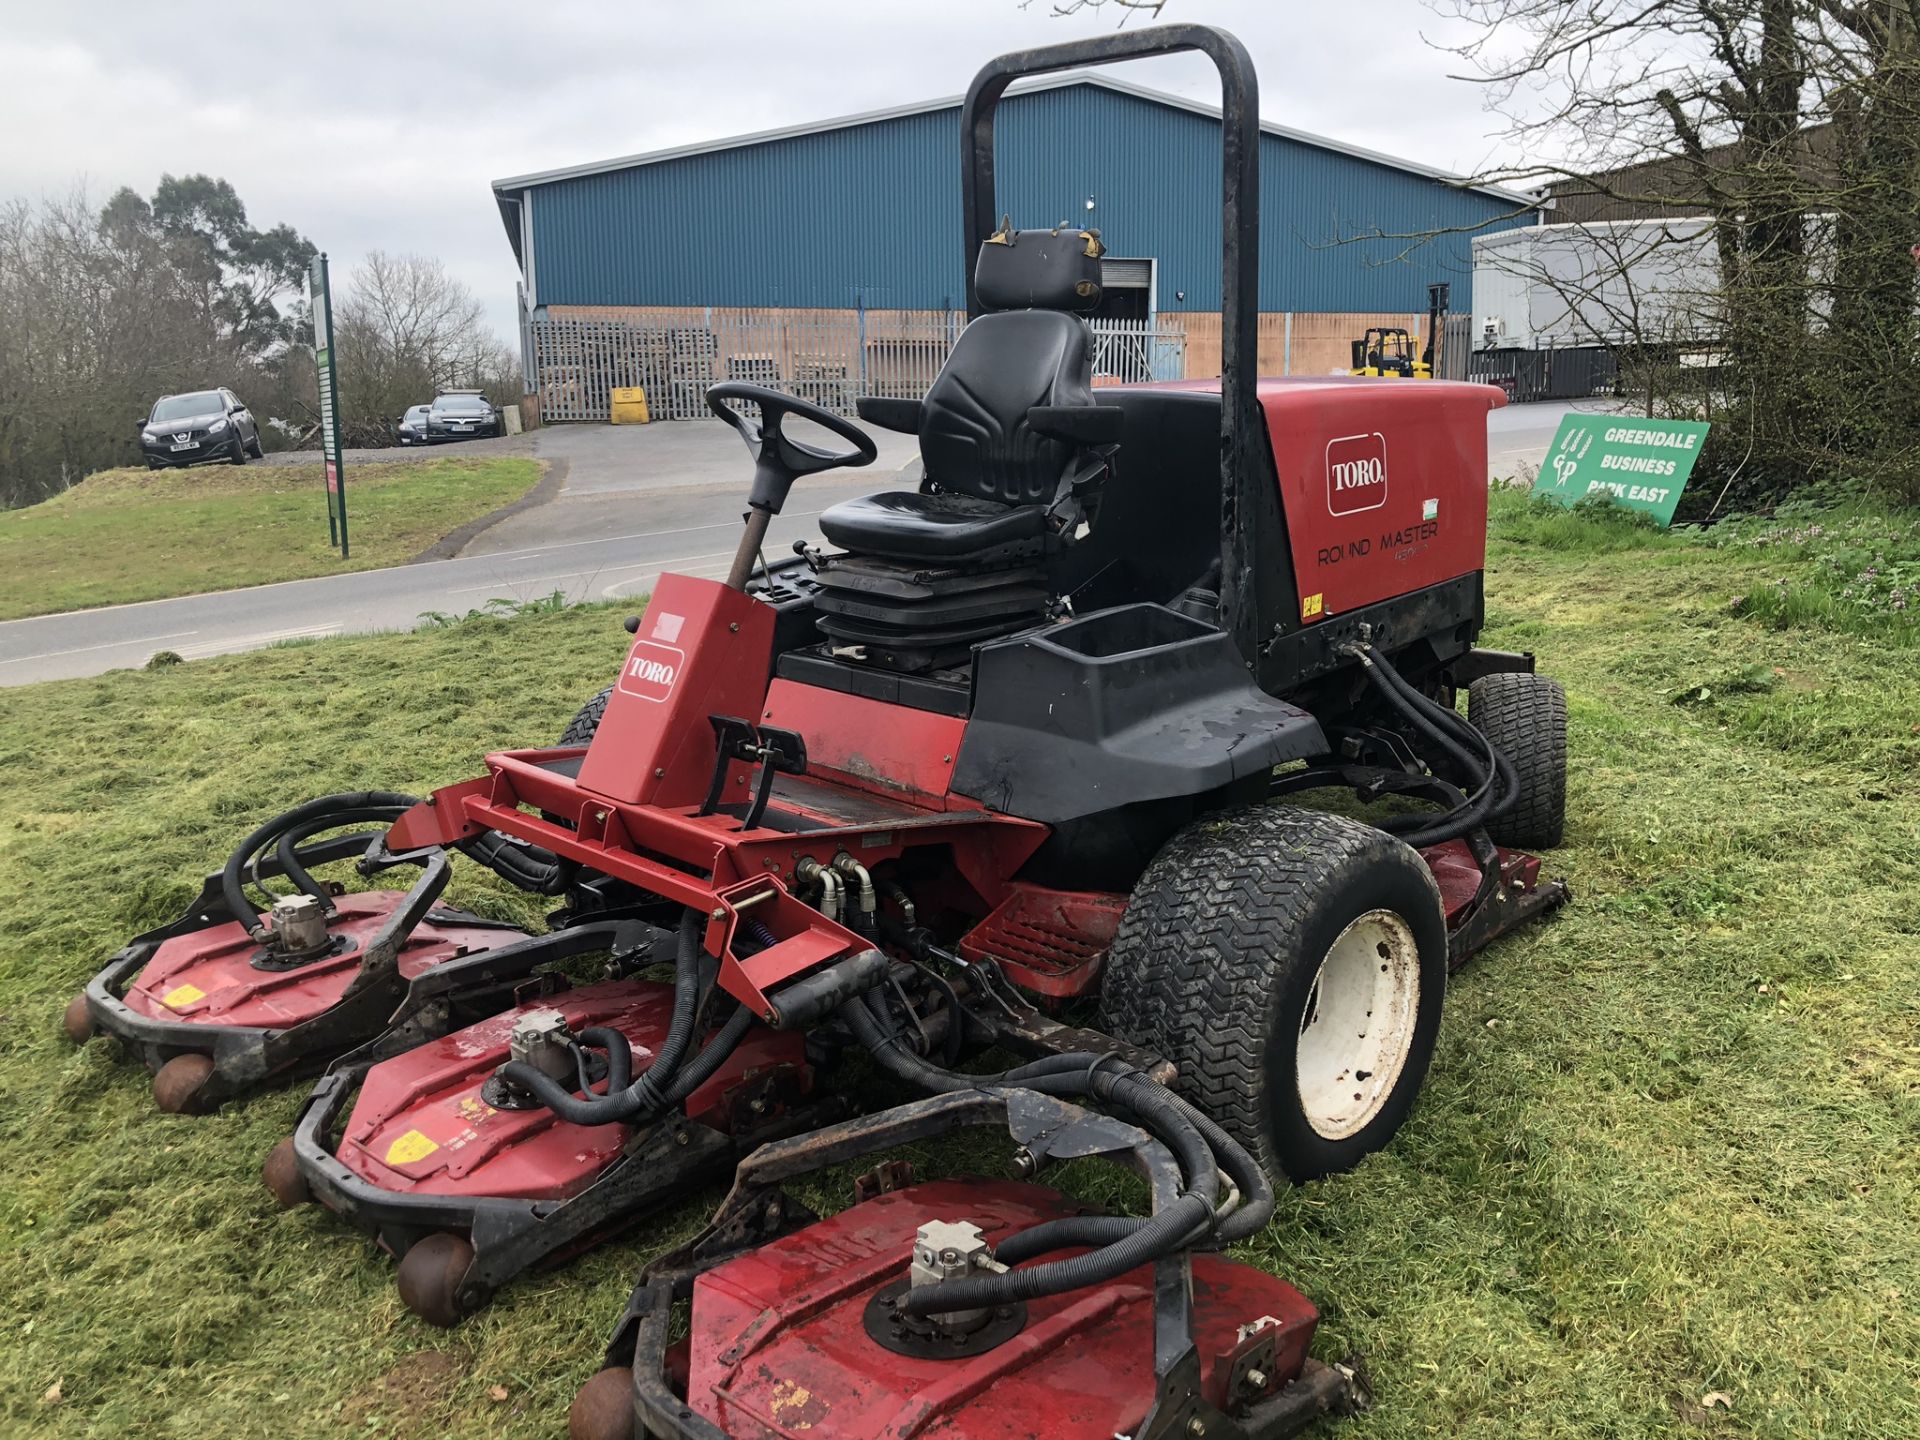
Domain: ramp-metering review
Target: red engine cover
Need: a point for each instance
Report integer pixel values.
(420, 1125)
(1384, 483)
(206, 978)
(779, 1348)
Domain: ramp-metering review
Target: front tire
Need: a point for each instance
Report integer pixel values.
(1292, 966)
(239, 456)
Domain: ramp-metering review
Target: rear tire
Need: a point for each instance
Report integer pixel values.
(1525, 716)
(581, 729)
(1292, 966)
(255, 449)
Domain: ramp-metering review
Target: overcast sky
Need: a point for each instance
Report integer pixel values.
(379, 126)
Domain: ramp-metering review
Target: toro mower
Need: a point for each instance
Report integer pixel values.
(1014, 761)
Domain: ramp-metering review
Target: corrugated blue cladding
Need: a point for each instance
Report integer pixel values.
(872, 214)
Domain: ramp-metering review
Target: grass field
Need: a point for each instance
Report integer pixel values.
(1664, 1179)
(128, 535)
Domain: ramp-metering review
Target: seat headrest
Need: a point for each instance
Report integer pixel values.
(1039, 269)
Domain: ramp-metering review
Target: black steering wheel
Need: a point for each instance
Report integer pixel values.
(777, 460)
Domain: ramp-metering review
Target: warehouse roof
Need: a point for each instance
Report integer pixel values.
(504, 187)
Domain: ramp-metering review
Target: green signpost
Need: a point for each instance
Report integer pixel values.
(1640, 464)
(322, 298)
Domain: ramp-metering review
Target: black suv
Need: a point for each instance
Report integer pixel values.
(461, 415)
(203, 425)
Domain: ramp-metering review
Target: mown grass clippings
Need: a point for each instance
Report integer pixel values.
(1663, 1180)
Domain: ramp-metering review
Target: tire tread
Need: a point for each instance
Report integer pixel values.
(1209, 937)
(580, 730)
(1525, 716)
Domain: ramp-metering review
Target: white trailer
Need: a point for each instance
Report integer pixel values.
(1560, 287)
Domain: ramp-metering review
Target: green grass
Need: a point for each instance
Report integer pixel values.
(126, 535)
(1667, 1147)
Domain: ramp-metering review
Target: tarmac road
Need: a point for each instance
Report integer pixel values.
(635, 502)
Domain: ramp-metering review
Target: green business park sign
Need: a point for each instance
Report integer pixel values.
(1641, 464)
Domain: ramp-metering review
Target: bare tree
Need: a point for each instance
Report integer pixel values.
(1793, 128)
(102, 310)
(405, 330)
(1126, 9)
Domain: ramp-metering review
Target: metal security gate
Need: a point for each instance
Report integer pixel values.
(829, 358)
(1456, 346)
(1528, 375)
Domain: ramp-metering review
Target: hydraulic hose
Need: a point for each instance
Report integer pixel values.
(232, 887)
(1496, 787)
(527, 866)
(649, 1094)
(697, 1071)
(287, 853)
(619, 1056)
(1166, 1232)
(1123, 1245)
(1436, 720)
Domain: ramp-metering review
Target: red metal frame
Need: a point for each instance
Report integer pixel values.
(632, 810)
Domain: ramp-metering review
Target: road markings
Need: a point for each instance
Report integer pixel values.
(111, 645)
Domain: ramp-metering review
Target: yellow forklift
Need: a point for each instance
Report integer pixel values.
(1389, 349)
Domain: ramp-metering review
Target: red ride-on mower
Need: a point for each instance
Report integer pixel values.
(1019, 750)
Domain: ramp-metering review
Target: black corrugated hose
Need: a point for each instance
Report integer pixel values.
(1496, 787)
(527, 866)
(1201, 1148)
(651, 1093)
(378, 803)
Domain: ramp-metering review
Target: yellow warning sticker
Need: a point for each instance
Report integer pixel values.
(183, 996)
(1311, 606)
(410, 1147)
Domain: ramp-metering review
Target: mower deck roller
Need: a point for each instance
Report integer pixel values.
(1040, 731)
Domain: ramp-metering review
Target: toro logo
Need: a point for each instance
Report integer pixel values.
(1356, 473)
(651, 670)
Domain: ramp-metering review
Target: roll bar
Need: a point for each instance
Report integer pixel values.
(1240, 428)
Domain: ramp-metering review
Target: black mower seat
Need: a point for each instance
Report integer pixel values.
(1013, 449)
(913, 525)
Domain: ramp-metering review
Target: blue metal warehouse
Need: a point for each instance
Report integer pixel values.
(862, 214)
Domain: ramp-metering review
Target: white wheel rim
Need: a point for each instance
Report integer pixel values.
(1358, 1024)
